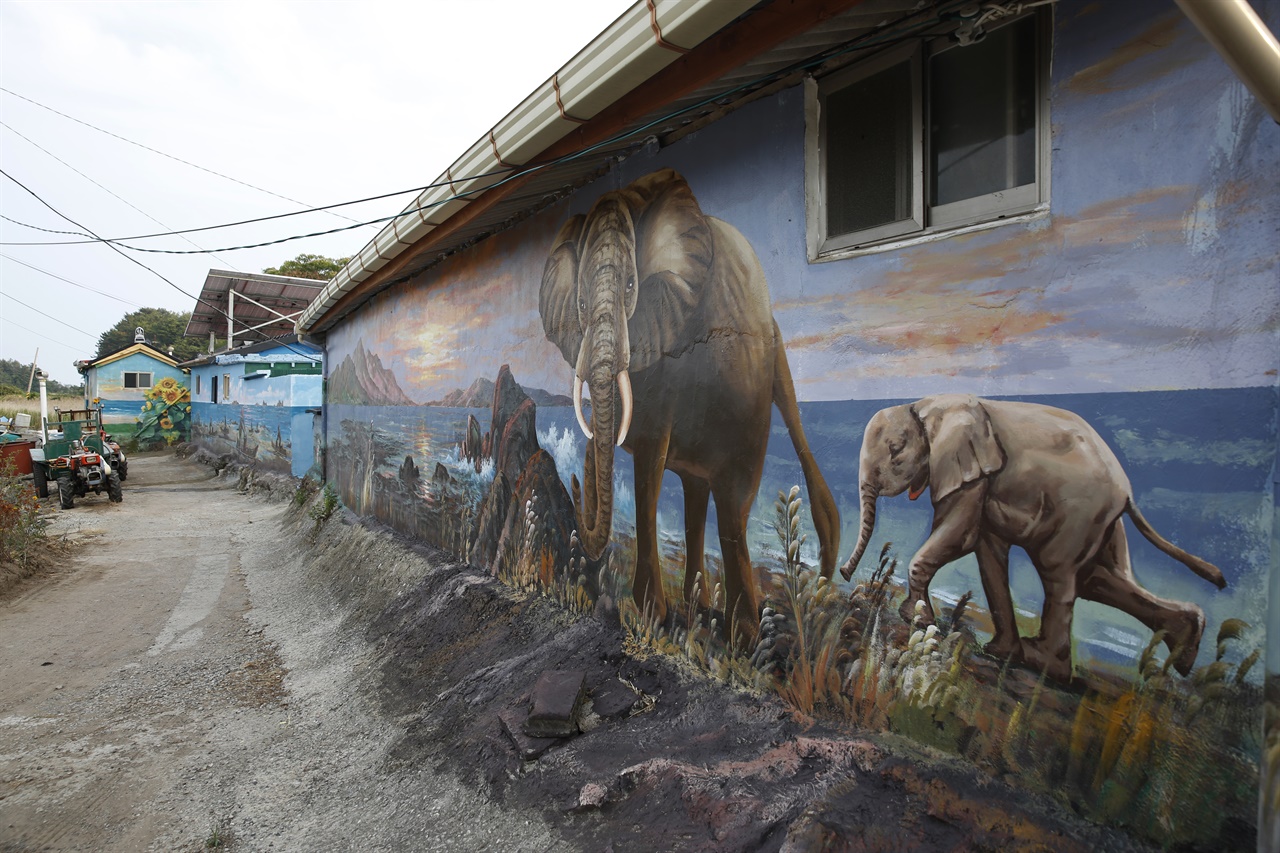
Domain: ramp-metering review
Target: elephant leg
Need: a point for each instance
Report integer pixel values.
(957, 524)
(696, 494)
(1050, 650)
(993, 566)
(1110, 581)
(646, 589)
(734, 493)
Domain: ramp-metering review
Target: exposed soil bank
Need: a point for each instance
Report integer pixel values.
(221, 670)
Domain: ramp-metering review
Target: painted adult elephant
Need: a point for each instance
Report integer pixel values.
(1005, 473)
(663, 312)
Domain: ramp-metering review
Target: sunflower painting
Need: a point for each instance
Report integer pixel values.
(165, 415)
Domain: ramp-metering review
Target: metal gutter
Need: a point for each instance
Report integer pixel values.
(1243, 40)
(642, 41)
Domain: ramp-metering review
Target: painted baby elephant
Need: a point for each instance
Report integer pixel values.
(664, 313)
(1006, 473)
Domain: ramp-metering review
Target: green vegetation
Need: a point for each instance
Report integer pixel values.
(324, 508)
(316, 267)
(22, 529)
(163, 328)
(14, 376)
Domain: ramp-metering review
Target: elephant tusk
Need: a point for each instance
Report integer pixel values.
(624, 392)
(577, 407)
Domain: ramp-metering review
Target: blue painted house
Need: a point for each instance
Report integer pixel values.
(259, 403)
(121, 383)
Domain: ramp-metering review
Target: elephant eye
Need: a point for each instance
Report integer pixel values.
(631, 283)
(582, 305)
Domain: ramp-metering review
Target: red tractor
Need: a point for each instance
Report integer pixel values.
(83, 460)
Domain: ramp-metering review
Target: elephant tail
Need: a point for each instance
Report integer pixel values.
(1203, 568)
(822, 506)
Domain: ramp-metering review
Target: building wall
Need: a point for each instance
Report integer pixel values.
(122, 406)
(263, 420)
(1145, 303)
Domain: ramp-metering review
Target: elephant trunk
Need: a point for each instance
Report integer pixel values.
(867, 522)
(609, 390)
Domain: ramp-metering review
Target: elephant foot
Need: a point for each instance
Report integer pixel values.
(917, 610)
(1053, 662)
(1182, 636)
(651, 606)
(1004, 648)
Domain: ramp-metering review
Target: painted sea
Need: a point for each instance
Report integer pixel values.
(1204, 481)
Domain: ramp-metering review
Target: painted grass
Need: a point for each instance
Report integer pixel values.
(1173, 760)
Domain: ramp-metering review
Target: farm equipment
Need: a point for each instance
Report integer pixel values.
(81, 461)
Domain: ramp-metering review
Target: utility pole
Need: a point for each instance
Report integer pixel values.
(30, 378)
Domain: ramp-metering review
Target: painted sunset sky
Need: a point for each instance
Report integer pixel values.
(1152, 272)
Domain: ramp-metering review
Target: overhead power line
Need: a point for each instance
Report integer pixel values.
(69, 281)
(885, 36)
(157, 151)
(41, 335)
(50, 316)
(35, 144)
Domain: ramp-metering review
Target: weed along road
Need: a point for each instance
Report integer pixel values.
(177, 685)
(218, 667)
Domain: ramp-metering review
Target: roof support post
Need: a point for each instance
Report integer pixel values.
(231, 318)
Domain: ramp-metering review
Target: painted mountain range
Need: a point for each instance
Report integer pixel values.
(361, 380)
(480, 396)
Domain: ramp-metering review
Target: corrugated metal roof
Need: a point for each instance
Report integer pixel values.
(267, 297)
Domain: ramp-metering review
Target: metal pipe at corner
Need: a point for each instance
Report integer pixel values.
(1244, 41)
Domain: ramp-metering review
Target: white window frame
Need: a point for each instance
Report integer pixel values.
(137, 378)
(926, 222)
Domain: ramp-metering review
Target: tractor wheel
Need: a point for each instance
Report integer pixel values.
(123, 470)
(113, 488)
(66, 493)
(39, 480)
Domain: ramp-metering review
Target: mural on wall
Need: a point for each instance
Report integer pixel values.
(261, 435)
(1001, 474)
(165, 416)
(703, 496)
(663, 312)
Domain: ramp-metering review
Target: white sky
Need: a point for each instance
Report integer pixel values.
(321, 102)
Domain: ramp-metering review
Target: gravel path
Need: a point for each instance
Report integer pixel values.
(182, 683)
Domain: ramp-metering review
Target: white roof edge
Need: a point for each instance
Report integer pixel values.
(622, 57)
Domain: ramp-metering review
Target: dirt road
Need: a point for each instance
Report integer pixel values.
(180, 684)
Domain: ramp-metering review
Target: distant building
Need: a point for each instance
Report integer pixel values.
(260, 403)
(119, 382)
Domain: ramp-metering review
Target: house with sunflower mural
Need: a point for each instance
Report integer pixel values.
(259, 403)
(127, 385)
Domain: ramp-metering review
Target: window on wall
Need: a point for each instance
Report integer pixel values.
(133, 379)
(928, 138)
(226, 386)
(197, 383)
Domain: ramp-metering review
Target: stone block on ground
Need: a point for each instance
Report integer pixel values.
(527, 747)
(613, 699)
(556, 701)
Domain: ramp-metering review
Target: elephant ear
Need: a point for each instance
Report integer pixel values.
(558, 297)
(674, 258)
(962, 443)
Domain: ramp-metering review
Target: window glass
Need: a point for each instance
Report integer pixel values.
(131, 380)
(982, 111)
(869, 151)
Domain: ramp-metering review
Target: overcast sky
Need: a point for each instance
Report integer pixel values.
(319, 102)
